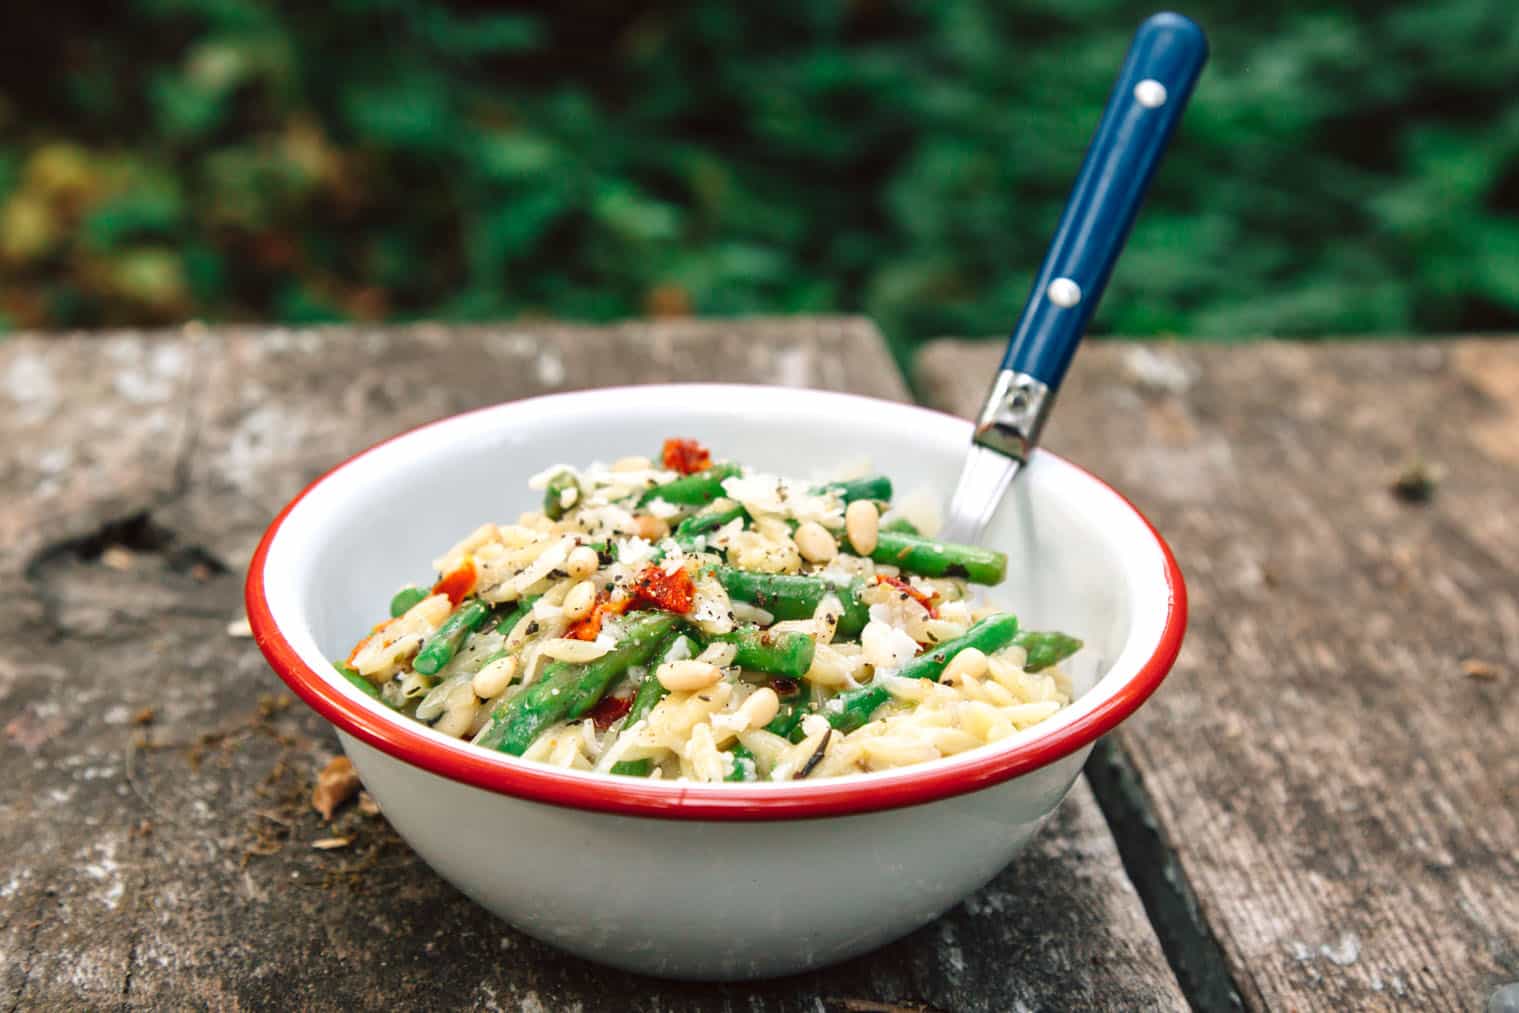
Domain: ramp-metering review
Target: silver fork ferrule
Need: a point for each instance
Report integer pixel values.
(1013, 415)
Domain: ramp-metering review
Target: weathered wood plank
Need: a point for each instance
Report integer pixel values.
(1341, 794)
(134, 872)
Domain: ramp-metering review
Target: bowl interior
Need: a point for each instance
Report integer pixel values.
(1080, 558)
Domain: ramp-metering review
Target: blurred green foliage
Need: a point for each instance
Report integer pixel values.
(1343, 168)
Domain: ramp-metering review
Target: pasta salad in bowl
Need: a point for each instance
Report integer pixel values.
(717, 710)
(685, 618)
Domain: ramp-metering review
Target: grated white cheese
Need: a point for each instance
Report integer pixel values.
(772, 495)
(662, 509)
(886, 646)
(634, 551)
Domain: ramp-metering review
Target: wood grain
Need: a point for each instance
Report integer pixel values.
(155, 813)
(1340, 793)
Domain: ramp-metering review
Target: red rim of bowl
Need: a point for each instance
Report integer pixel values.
(907, 786)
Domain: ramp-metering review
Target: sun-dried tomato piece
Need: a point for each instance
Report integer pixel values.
(608, 709)
(673, 592)
(457, 583)
(589, 628)
(686, 456)
(376, 628)
(922, 598)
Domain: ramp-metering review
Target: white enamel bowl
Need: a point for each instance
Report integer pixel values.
(708, 881)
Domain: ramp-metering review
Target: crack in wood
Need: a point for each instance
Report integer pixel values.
(136, 533)
(29, 957)
(140, 886)
(1153, 867)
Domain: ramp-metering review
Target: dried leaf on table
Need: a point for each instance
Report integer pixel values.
(1479, 669)
(336, 784)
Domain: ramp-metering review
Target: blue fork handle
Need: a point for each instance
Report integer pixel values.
(1164, 61)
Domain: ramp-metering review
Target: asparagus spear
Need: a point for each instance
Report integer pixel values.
(692, 490)
(1045, 649)
(516, 615)
(786, 596)
(793, 708)
(565, 690)
(877, 487)
(744, 766)
(650, 692)
(783, 654)
(404, 599)
(707, 522)
(930, 558)
(857, 706)
(901, 526)
(441, 647)
(553, 495)
(364, 685)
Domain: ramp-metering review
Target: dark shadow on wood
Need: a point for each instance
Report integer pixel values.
(1190, 946)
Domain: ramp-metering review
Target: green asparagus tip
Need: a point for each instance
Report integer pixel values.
(1046, 648)
(404, 599)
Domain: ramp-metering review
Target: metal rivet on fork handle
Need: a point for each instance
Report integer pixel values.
(1150, 93)
(1064, 292)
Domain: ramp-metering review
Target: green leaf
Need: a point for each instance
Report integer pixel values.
(140, 213)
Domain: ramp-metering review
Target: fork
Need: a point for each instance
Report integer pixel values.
(1153, 86)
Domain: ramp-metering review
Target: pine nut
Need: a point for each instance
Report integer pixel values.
(582, 562)
(969, 663)
(761, 707)
(649, 527)
(632, 464)
(492, 680)
(815, 543)
(863, 524)
(576, 652)
(688, 675)
(579, 601)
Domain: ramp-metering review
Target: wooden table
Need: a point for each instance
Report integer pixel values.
(1317, 812)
